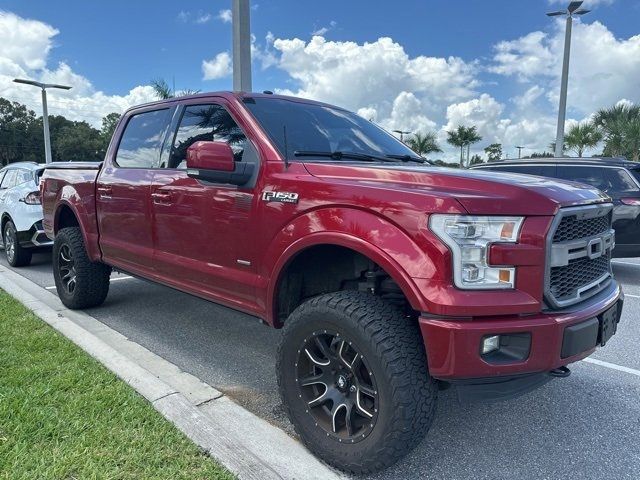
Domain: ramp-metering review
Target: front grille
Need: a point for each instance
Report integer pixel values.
(579, 263)
(572, 228)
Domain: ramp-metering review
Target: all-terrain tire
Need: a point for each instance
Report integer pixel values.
(91, 278)
(393, 347)
(17, 256)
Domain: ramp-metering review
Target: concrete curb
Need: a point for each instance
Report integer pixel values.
(247, 445)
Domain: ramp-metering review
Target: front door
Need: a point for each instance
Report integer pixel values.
(123, 192)
(200, 228)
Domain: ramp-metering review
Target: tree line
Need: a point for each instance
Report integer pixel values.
(617, 128)
(22, 140)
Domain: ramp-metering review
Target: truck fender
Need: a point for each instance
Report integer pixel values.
(81, 217)
(368, 234)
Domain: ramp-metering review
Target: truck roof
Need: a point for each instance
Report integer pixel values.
(228, 95)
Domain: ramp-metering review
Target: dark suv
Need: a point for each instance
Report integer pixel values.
(617, 177)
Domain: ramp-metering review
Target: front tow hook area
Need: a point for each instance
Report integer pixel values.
(560, 372)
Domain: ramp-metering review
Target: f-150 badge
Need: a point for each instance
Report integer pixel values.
(282, 197)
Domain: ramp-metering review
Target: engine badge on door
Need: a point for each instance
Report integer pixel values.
(282, 197)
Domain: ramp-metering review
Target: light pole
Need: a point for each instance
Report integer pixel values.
(572, 9)
(402, 133)
(241, 26)
(45, 112)
(519, 151)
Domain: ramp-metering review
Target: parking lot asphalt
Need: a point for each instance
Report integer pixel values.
(586, 426)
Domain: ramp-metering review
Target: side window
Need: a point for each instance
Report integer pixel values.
(9, 179)
(2, 176)
(593, 176)
(208, 123)
(620, 180)
(142, 139)
(23, 176)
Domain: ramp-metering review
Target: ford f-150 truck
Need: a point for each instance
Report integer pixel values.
(391, 278)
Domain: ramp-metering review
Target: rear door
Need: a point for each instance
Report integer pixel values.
(123, 191)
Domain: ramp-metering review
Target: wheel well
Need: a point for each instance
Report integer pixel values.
(3, 222)
(66, 218)
(331, 268)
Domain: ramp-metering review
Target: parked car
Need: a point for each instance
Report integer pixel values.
(21, 212)
(391, 278)
(617, 177)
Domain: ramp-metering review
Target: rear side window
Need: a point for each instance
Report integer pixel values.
(620, 180)
(593, 176)
(142, 139)
(636, 173)
(206, 123)
(9, 179)
(23, 176)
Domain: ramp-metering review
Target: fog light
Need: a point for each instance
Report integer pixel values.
(490, 344)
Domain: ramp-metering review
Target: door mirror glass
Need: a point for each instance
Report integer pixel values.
(204, 155)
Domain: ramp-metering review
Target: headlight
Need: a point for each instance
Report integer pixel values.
(469, 238)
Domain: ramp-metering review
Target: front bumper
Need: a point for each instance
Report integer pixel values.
(453, 345)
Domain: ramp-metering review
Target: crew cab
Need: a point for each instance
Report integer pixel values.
(390, 278)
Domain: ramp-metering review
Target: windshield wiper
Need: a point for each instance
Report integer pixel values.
(339, 155)
(408, 158)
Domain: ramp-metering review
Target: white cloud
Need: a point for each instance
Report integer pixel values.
(603, 69)
(24, 53)
(218, 67)
(225, 16)
(527, 100)
(323, 30)
(203, 18)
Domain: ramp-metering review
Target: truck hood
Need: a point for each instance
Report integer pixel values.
(479, 192)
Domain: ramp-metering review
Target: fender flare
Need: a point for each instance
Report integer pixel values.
(93, 253)
(397, 254)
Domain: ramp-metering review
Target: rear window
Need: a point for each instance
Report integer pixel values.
(593, 176)
(621, 180)
(142, 139)
(636, 173)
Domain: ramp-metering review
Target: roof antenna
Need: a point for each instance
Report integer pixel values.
(286, 148)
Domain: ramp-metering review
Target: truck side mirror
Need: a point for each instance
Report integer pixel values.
(213, 162)
(210, 156)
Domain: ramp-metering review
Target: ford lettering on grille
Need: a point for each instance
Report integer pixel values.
(579, 254)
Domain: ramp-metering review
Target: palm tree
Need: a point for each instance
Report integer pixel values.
(163, 91)
(581, 136)
(457, 139)
(463, 137)
(424, 144)
(621, 127)
(472, 136)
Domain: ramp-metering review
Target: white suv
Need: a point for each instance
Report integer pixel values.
(21, 212)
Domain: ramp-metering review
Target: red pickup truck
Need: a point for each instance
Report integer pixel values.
(391, 278)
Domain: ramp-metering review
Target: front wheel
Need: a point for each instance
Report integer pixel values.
(80, 282)
(353, 378)
(17, 255)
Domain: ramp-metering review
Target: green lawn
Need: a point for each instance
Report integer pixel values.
(64, 416)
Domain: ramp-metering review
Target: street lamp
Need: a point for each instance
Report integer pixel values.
(241, 27)
(572, 9)
(402, 133)
(45, 113)
(520, 151)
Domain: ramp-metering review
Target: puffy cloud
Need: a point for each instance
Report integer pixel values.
(24, 53)
(373, 75)
(225, 16)
(203, 17)
(218, 67)
(603, 69)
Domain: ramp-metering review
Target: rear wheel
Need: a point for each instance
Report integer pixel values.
(353, 378)
(17, 256)
(80, 282)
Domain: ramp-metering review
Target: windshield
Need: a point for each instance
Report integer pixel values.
(319, 128)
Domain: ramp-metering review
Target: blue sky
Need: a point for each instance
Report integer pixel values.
(444, 63)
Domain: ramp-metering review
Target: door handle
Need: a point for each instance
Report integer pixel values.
(161, 197)
(105, 191)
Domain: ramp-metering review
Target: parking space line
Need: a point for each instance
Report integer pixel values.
(613, 366)
(622, 262)
(53, 287)
(631, 296)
